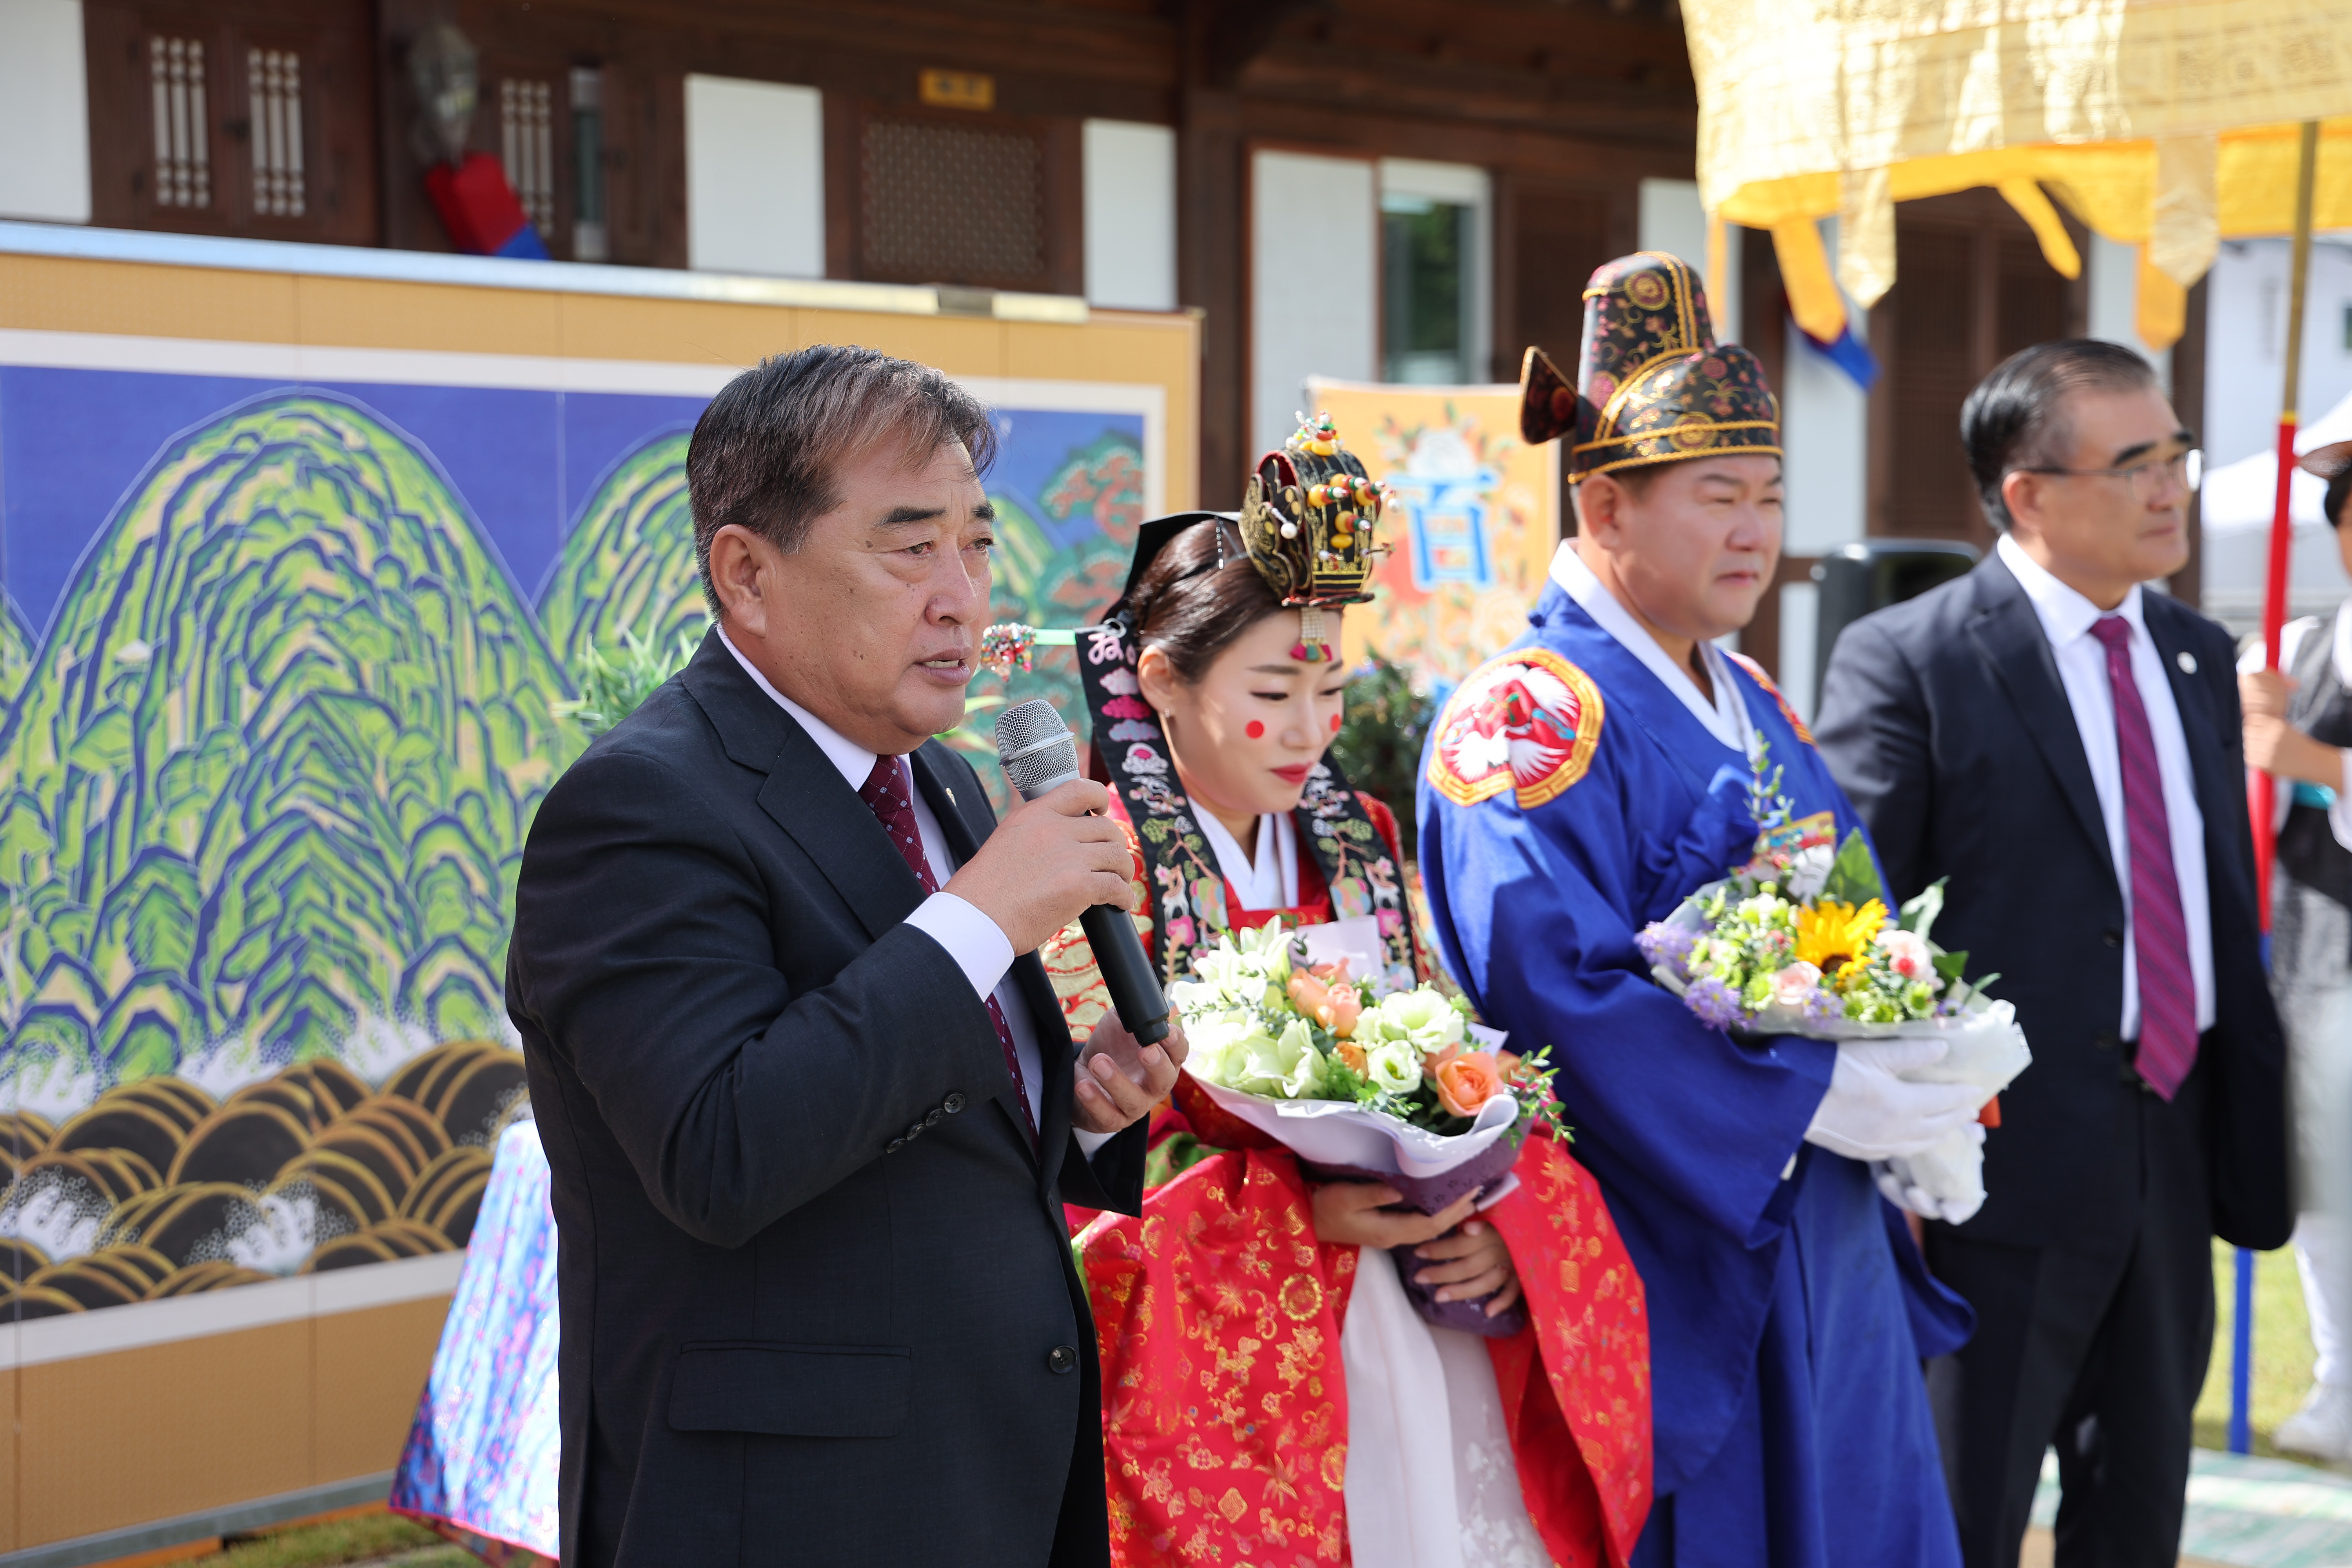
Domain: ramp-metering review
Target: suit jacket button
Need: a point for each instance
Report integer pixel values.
(1062, 1359)
(2105, 1042)
(894, 1145)
(952, 1104)
(914, 1131)
(932, 1119)
(2111, 938)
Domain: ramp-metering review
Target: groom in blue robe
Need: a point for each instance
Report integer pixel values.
(1577, 786)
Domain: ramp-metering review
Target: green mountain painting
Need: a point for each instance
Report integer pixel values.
(629, 567)
(265, 783)
(267, 777)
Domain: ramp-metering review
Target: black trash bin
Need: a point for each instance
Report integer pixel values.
(1858, 578)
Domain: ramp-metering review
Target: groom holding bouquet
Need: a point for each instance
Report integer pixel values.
(1577, 787)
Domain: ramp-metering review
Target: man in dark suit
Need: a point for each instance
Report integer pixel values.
(2063, 746)
(811, 1121)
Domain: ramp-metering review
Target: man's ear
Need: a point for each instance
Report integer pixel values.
(1157, 675)
(1599, 510)
(737, 557)
(2021, 496)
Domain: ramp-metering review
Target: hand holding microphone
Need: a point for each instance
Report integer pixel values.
(1041, 761)
(1057, 855)
(1049, 860)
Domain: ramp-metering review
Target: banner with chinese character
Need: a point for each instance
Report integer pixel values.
(1471, 531)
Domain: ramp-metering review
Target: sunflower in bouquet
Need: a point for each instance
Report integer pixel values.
(1800, 941)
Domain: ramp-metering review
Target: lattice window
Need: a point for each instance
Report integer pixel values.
(526, 128)
(951, 204)
(274, 93)
(184, 167)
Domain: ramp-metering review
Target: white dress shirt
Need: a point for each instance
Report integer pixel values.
(2066, 619)
(1725, 717)
(977, 943)
(2291, 636)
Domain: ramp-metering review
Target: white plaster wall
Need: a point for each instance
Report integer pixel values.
(755, 177)
(1826, 431)
(2112, 271)
(1801, 658)
(43, 111)
(2245, 331)
(1673, 221)
(1131, 215)
(1314, 282)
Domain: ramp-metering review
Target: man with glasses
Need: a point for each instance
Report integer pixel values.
(2062, 745)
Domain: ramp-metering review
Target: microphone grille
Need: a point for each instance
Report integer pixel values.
(1035, 747)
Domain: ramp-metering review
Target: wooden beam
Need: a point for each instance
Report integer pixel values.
(1238, 31)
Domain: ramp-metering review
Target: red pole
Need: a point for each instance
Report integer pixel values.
(2264, 803)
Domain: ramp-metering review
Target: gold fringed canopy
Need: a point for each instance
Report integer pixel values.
(2166, 124)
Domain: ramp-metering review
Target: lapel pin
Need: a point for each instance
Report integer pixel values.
(952, 800)
(2187, 661)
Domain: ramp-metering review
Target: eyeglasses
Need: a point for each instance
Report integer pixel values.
(2150, 481)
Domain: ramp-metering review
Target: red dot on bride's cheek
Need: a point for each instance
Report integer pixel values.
(1334, 723)
(1256, 730)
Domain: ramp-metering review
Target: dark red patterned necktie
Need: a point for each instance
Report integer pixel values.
(2168, 988)
(889, 795)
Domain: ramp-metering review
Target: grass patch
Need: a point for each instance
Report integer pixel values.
(364, 1538)
(2283, 1353)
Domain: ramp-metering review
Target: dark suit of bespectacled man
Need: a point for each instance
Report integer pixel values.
(811, 1120)
(2063, 745)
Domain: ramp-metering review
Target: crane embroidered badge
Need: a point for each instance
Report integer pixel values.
(1527, 720)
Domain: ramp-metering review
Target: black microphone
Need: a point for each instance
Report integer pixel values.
(1040, 755)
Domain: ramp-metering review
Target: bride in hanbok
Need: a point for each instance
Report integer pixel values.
(1273, 1394)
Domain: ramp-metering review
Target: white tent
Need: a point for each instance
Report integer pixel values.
(2235, 511)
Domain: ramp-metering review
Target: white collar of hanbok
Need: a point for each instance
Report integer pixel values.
(1269, 880)
(1725, 718)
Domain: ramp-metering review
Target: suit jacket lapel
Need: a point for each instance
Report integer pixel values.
(804, 793)
(2010, 636)
(966, 825)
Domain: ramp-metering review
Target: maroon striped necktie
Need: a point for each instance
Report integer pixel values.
(2168, 987)
(888, 794)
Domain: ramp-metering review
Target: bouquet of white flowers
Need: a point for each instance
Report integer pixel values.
(1403, 1088)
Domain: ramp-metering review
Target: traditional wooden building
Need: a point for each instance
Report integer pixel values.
(1409, 189)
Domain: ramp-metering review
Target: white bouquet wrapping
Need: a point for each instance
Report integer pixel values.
(1801, 942)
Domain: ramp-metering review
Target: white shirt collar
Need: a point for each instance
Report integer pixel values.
(2064, 614)
(854, 761)
(1725, 718)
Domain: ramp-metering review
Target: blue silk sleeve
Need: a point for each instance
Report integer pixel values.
(1538, 909)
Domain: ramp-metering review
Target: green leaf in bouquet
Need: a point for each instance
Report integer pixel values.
(1342, 1081)
(1917, 915)
(1951, 965)
(1853, 874)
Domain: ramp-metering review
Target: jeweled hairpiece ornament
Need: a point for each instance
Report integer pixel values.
(1308, 521)
(1652, 383)
(1008, 646)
